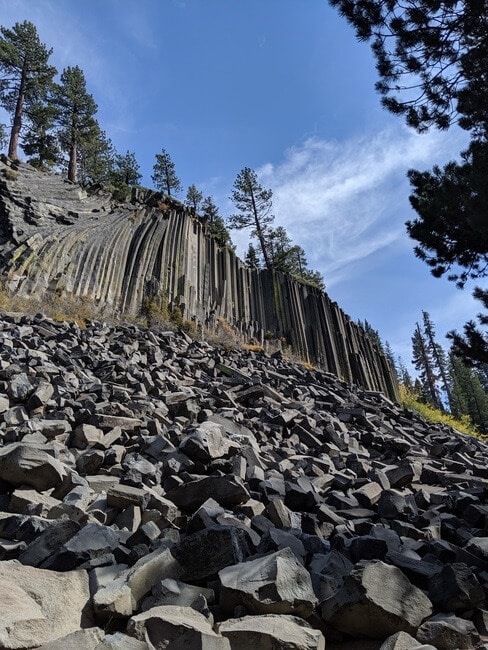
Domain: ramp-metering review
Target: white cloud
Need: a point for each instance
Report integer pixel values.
(344, 201)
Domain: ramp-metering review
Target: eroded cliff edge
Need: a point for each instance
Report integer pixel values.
(57, 237)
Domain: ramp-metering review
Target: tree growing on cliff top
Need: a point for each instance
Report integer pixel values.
(26, 74)
(77, 110)
(164, 176)
(40, 142)
(254, 204)
(126, 169)
(193, 197)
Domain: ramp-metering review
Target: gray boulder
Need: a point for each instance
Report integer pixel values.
(273, 584)
(376, 600)
(271, 632)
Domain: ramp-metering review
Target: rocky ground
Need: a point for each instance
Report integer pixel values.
(157, 492)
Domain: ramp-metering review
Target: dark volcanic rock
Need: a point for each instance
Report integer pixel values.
(233, 484)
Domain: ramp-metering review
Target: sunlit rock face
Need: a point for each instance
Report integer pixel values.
(58, 238)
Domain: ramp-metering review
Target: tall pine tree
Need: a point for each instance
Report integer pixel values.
(423, 363)
(77, 110)
(164, 175)
(254, 204)
(26, 74)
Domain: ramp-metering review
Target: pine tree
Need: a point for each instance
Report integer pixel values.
(77, 110)
(95, 157)
(252, 257)
(126, 169)
(437, 353)
(215, 224)
(40, 142)
(193, 197)
(254, 204)
(404, 376)
(210, 211)
(164, 176)
(26, 74)
(422, 360)
(468, 395)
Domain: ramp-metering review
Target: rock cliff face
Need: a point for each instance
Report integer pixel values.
(55, 237)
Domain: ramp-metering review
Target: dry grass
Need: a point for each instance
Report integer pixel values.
(59, 308)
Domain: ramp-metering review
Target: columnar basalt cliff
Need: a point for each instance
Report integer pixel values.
(57, 237)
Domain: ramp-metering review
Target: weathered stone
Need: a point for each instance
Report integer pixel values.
(271, 631)
(88, 639)
(206, 552)
(376, 600)
(174, 592)
(24, 464)
(273, 584)
(226, 490)
(120, 641)
(123, 496)
(455, 588)
(34, 606)
(206, 443)
(404, 641)
(49, 542)
(446, 631)
(176, 626)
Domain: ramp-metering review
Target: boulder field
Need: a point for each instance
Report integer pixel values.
(158, 492)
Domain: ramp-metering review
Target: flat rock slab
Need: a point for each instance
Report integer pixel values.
(271, 632)
(176, 627)
(226, 490)
(38, 606)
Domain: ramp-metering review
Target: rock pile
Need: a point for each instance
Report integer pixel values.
(157, 492)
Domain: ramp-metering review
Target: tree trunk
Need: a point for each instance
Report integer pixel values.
(17, 123)
(259, 232)
(73, 163)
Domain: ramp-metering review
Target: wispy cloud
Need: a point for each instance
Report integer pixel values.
(344, 201)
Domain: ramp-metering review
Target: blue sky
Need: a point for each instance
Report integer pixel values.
(283, 87)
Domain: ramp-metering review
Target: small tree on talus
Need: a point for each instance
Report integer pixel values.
(193, 197)
(164, 176)
(254, 204)
(422, 360)
(26, 74)
(77, 110)
(126, 169)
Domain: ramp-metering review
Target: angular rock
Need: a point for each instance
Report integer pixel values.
(273, 584)
(178, 627)
(446, 631)
(35, 609)
(376, 600)
(226, 490)
(271, 631)
(24, 464)
(88, 639)
(206, 552)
